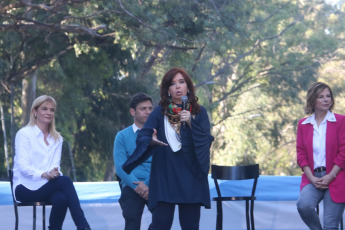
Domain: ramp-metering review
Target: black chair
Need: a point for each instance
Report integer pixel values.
(33, 204)
(118, 180)
(341, 220)
(235, 173)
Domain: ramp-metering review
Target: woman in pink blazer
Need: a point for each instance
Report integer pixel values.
(321, 156)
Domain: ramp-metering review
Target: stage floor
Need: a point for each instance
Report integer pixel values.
(107, 216)
(275, 207)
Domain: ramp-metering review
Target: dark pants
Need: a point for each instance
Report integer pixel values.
(132, 206)
(163, 215)
(61, 193)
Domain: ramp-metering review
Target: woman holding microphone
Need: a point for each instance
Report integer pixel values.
(177, 135)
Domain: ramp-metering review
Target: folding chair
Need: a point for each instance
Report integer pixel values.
(33, 204)
(235, 173)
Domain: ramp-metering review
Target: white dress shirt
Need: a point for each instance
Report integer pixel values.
(34, 157)
(135, 128)
(319, 138)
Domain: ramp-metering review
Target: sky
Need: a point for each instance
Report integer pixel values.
(333, 2)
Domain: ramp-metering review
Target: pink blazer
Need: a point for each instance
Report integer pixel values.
(335, 153)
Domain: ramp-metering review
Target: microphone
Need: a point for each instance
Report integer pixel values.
(184, 105)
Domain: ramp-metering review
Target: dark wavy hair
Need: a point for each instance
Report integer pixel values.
(166, 83)
(138, 98)
(312, 94)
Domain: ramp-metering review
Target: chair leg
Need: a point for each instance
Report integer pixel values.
(34, 218)
(219, 223)
(247, 214)
(252, 214)
(44, 217)
(16, 214)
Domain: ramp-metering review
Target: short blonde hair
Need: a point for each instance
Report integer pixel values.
(312, 94)
(33, 121)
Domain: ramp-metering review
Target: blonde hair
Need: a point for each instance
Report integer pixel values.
(33, 121)
(312, 94)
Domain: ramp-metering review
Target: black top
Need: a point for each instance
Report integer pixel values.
(176, 177)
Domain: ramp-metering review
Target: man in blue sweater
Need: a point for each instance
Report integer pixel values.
(135, 190)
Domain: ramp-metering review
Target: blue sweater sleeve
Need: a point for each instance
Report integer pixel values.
(143, 149)
(141, 152)
(120, 156)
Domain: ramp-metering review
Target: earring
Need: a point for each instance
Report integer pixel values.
(188, 92)
(168, 94)
(35, 115)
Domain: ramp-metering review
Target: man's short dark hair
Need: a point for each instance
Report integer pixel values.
(138, 98)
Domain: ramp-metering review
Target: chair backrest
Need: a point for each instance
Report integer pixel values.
(235, 172)
(119, 180)
(244, 172)
(10, 175)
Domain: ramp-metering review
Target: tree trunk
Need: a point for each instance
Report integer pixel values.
(5, 136)
(28, 96)
(12, 124)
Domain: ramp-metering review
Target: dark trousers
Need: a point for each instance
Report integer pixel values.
(163, 216)
(132, 206)
(61, 193)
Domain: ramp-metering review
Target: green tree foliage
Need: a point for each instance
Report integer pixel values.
(251, 62)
